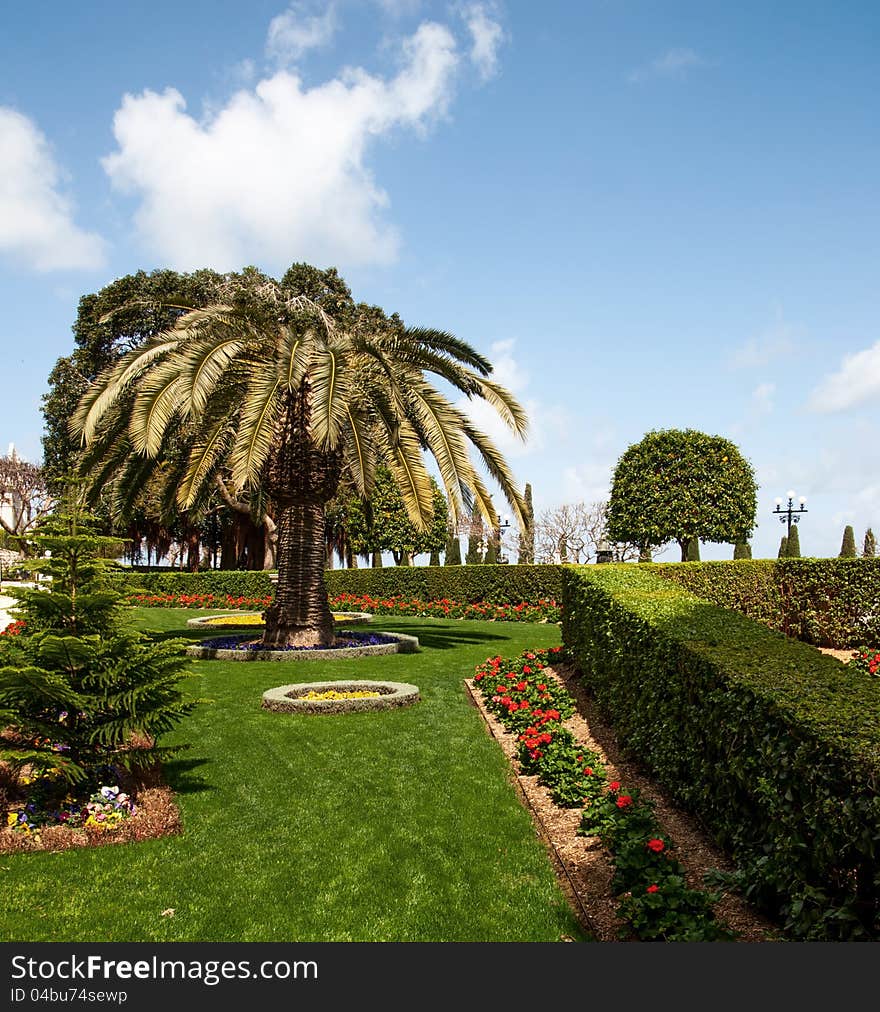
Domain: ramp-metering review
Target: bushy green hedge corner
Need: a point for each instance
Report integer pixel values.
(773, 745)
(827, 602)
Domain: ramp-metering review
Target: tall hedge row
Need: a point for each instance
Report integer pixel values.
(827, 602)
(493, 584)
(773, 745)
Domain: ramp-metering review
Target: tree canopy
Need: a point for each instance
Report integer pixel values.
(679, 484)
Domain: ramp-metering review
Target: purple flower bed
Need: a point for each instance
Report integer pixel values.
(352, 639)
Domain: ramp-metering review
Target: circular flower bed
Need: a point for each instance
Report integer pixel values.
(340, 697)
(242, 647)
(255, 618)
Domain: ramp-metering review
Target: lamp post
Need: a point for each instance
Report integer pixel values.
(788, 514)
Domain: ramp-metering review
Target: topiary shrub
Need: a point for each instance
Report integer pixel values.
(742, 550)
(848, 545)
(869, 549)
(783, 548)
(793, 550)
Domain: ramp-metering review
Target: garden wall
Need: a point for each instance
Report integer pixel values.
(772, 744)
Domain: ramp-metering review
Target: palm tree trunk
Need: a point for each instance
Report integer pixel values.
(300, 614)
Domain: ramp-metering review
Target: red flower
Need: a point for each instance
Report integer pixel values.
(522, 686)
(653, 889)
(588, 771)
(658, 846)
(614, 786)
(624, 801)
(527, 670)
(542, 688)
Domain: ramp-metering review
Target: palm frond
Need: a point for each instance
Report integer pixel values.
(405, 462)
(253, 440)
(200, 464)
(448, 344)
(359, 452)
(330, 383)
(154, 408)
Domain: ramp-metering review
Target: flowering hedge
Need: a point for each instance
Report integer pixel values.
(865, 660)
(649, 881)
(538, 611)
(144, 600)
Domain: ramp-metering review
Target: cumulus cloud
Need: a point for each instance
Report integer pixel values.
(856, 381)
(295, 32)
(279, 173)
(486, 38)
(36, 217)
(775, 342)
(672, 63)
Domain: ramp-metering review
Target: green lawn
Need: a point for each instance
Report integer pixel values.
(390, 826)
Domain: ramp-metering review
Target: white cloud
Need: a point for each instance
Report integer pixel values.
(486, 38)
(673, 63)
(775, 342)
(762, 398)
(295, 32)
(36, 218)
(856, 381)
(278, 174)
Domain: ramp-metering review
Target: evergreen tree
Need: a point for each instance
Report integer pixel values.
(527, 534)
(435, 558)
(78, 682)
(783, 548)
(848, 545)
(693, 550)
(473, 558)
(742, 550)
(453, 551)
(869, 550)
(376, 560)
(491, 556)
(794, 543)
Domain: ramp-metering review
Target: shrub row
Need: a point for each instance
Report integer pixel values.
(648, 879)
(775, 746)
(828, 602)
(491, 584)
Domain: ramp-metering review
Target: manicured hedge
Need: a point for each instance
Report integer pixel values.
(492, 584)
(774, 745)
(828, 602)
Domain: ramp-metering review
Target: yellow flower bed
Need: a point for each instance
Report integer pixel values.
(343, 694)
(253, 618)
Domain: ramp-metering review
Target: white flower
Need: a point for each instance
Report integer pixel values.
(109, 792)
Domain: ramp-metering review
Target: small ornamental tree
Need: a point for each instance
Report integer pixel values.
(78, 682)
(527, 534)
(742, 550)
(679, 484)
(869, 549)
(453, 550)
(794, 543)
(783, 548)
(693, 550)
(848, 545)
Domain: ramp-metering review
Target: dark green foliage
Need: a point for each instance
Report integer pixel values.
(491, 556)
(869, 549)
(827, 602)
(793, 548)
(78, 682)
(775, 746)
(473, 557)
(742, 550)
(502, 584)
(453, 551)
(693, 550)
(527, 535)
(783, 548)
(435, 557)
(848, 545)
(678, 484)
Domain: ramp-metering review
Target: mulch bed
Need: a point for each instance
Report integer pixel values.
(582, 864)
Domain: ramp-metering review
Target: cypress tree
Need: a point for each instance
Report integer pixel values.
(491, 556)
(453, 551)
(848, 545)
(693, 550)
(435, 558)
(783, 548)
(742, 550)
(472, 558)
(794, 543)
(869, 549)
(527, 536)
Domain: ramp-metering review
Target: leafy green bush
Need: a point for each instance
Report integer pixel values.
(827, 602)
(501, 584)
(76, 682)
(775, 746)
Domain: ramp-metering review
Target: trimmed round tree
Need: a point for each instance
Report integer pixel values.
(679, 484)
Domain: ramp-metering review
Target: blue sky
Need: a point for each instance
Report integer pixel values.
(648, 215)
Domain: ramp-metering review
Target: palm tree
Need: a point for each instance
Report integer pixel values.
(267, 393)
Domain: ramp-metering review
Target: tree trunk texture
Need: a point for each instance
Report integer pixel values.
(301, 480)
(300, 614)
